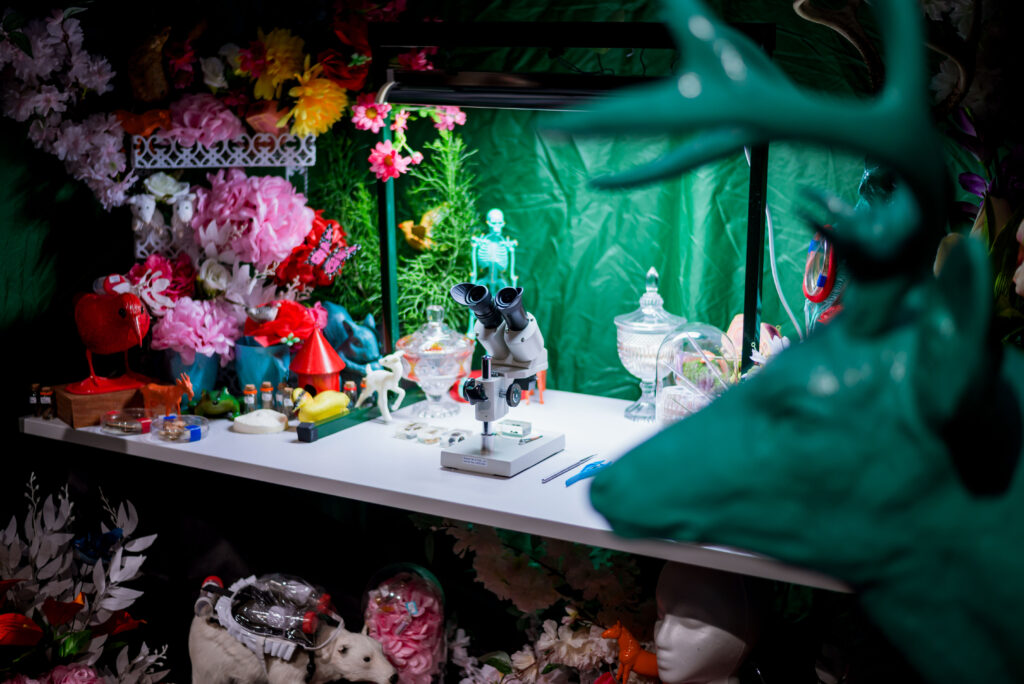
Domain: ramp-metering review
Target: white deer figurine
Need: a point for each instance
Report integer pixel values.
(380, 381)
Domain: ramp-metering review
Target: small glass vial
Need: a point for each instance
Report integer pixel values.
(33, 399)
(46, 403)
(249, 399)
(351, 391)
(267, 395)
(280, 393)
(287, 406)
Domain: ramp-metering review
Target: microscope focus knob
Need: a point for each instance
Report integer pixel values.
(513, 394)
(474, 391)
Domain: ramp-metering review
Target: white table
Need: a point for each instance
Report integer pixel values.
(367, 463)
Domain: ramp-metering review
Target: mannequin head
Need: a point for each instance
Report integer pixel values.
(706, 627)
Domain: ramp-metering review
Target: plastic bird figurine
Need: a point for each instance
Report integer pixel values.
(418, 234)
(109, 324)
(859, 453)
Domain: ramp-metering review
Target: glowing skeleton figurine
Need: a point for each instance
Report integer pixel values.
(494, 256)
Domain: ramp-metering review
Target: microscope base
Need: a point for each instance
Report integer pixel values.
(507, 458)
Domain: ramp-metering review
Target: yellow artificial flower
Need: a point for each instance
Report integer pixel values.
(284, 58)
(319, 102)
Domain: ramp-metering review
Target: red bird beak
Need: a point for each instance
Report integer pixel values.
(137, 327)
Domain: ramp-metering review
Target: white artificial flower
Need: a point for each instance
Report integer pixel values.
(164, 187)
(214, 277)
(213, 72)
(229, 52)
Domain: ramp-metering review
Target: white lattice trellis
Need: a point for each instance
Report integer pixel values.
(260, 149)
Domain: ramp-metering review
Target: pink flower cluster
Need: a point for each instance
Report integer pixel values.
(46, 85)
(206, 327)
(160, 282)
(368, 116)
(62, 674)
(256, 219)
(406, 616)
(417, 60)
(445, 118)
(387, 162)
(202, 118)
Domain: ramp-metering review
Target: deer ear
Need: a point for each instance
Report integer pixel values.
(959, 355)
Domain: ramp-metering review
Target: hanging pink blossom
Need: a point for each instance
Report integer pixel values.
(203, 118)
(446, 117)
(401, 122)
(416, 157)
(256, 219)
(386, 162)
(417, 60)
(368, 116)
(205, 327)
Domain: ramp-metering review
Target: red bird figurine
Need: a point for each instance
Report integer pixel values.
(110, 323)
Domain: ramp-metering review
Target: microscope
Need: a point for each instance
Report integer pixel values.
(515, 354)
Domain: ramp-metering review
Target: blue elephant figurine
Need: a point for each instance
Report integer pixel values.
(356, 344)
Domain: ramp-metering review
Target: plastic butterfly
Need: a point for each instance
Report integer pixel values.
(337, 258)
(323, 248)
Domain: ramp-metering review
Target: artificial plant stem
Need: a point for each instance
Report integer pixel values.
(388, 253)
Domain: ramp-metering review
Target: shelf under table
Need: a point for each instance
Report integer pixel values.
(366, 463)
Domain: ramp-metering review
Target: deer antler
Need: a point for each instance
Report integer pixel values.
(730, 91)
(844, 21)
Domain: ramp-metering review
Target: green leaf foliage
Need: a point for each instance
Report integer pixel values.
(499, 660)
(73, 643)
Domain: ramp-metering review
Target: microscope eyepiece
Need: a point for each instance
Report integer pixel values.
(510, 306)
(479, 301)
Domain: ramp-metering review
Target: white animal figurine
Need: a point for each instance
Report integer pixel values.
(182, 235)
(380, 381)
(148, 224)
(218, 658)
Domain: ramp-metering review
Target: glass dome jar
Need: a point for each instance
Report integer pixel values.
(434, 358)
(639, 335)
(696, 363)
(403, 609)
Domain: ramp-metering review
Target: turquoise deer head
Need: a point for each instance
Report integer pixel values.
(884, 449)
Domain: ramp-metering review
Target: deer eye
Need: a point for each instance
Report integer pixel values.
(122, 312)
(366, 659)
(344, 650)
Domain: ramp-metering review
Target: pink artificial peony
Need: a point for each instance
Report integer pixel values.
(256, 219)
(74, 674)
(203, 118)
(183, 277)
(414, 643)
(386, 162)
(368, 116)
(206, 327)
(446, 118)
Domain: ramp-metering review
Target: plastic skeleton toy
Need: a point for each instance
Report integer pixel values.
(494, 256)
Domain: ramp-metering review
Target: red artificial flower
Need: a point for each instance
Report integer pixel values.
(297, 265)
(118, 622)
(60, 612)
(253, 60)
(605, 678)
(237, 99)
(293, 323)
(417, 60)
(351, 30)
(349, 74)
(180, 61)
(18, 630)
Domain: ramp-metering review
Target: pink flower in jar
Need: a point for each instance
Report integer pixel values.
(203, 118)
(74, 674)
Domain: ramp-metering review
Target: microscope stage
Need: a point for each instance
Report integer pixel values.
(507, 458)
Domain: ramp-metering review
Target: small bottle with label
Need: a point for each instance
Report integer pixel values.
(33, 399)
(46, 403)
(350, 390)
(267, 395)
(279, 394)
(249, 399)
(287, 405)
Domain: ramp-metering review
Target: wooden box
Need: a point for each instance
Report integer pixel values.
(82, 410)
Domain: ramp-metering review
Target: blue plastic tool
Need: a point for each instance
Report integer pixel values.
(591, 470)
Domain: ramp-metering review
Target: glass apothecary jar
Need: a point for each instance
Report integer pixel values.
(696, 363)
(639, 335)
(434, 358)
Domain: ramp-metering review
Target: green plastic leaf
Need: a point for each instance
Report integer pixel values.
(550, 667)
(72, 644)
(72, 11)
(499, 660)
(21, 41)
(14, 21)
